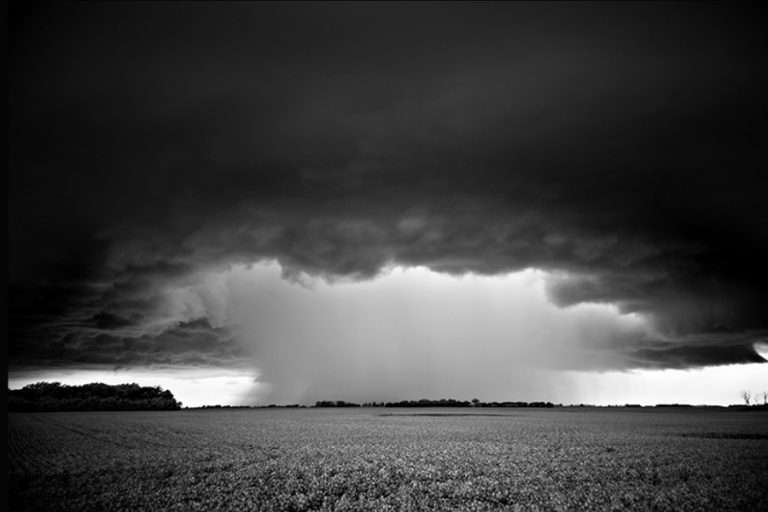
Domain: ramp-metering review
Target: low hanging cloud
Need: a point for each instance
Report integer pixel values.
(619, 149)
(183, 344)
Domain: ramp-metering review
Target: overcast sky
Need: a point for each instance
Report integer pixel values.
(384, 202)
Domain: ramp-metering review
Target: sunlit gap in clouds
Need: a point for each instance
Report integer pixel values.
(762, 349)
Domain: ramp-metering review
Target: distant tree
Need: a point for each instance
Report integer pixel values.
(475, 402)
(746, 396)
(764, 397)
(335, 403)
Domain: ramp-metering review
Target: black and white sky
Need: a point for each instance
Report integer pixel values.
(383, 201)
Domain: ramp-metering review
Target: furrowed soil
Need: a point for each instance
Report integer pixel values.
(390, 459)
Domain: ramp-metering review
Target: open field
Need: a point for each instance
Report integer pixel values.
(390, 459)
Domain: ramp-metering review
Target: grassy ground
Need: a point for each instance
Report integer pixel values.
(390, 459)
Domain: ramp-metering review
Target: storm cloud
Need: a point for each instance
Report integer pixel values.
(618, 148)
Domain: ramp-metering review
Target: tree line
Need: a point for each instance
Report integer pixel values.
(425, 402)
(54, 396)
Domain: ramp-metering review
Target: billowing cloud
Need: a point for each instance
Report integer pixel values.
(617, 148)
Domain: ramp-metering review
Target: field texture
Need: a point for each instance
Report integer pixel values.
(390, 459)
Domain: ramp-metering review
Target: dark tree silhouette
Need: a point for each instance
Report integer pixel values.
(54, 396)
(746, 396)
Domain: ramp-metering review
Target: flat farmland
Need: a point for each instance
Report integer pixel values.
(390, 459)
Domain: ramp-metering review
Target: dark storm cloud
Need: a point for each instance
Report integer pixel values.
(686, 353)
(619, 146)
(193, 343)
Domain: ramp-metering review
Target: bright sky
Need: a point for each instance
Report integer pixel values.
(413, 333)
(712, 386)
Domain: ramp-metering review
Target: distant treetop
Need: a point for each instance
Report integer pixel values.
(425, 402)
